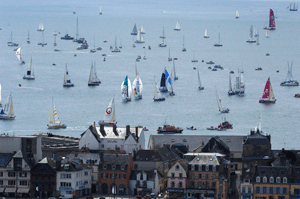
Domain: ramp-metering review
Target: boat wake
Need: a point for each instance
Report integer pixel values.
(34, 88)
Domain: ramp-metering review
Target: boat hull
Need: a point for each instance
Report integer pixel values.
(29, 77)
(93, 84)
(159, 99)
(267, 101)
(57, 126)
(169, 132)
(163, 89)
(289, 83)
(68, 85)
(201, 88)
(5, 117)
(177, 29)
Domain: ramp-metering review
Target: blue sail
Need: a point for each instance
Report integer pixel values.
(167, 77)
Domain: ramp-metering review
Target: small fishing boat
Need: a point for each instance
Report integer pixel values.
(54, 124)
(126, 89)
(7, 111)
(67, 37)
(67, 81)
(268, 95)
(109, 118)
(30, 73)
(289, 81)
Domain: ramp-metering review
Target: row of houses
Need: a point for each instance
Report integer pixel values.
(114, 161)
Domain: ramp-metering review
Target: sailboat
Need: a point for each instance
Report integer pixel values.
(194, 60)
(116, 49)
(237, 15)
(171, 85)
(28, 40)
(183, 48)
(157, 94)
(222, 109)
(143, 30)
(7, 111)
(74, 12)
(230, 91)
(175, 77)
(93, 79)
(41, 27)
(100, 12)
(163, 81)
(177, 27)
(42, 43)
(268, 95)
(255, 33)
(19, 55)
(218, 44)
(137, 86)
(294, 8)
(94, 49)
(200, 87)
(110, 115)
(134, 30)
(242, 85)
(11, 43)
(163, 44)
(289, 81)
(139, 38)
(0, 98)
(67, 80)
(271, 21)
(205, 34)
(169, 58)
(251, 40)
(126, 89)
(56, 124)
(257, 39)
(30, 73)
(54, 44)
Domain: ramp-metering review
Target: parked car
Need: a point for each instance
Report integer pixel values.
(66, 196)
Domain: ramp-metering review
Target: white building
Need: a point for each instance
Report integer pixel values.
(113, 138)
(15, 175)
(73, 179)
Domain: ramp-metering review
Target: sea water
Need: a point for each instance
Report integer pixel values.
(81, 106)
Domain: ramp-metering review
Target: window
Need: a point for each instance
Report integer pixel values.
(199, 176)
(172, 184)
(214, 176)
(177, 167)
(206, 176)
(23, 174)
(257, 179)
(180, 175)
(172, 175)
(278, 180)
(112, 176)
(64, 176)
(243, 190)
(65, 184)
(193, 168)
(257, 189)
(277, 190)
(199, 185)
(23, 182)
(180, 184)
(296, 191)
(1, 174)
(271, 180)
(249, 190)
(192, 184)
(271, 190)
(86, 173)
(264, 179)
(214, 168)
(11, 182)
(284, 180)
(213, 184)
(192, 176)
(1, 182)
(284, 190)
(264, 189)
(142, 176)
(11, 174)
(86, 182)
(206, 168)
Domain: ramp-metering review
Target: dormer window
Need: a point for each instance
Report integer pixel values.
(122, 167)
(104, 167)
(278, 180)
(271, 180)
(284, 180)
(66, 166)
(264, 179)
(113, 167)
(257, 179)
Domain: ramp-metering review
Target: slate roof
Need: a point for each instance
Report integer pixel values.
(234, 142)
(70, 166)
(257, 139)
(168, 154)
(148, 155)
(5, 159)
(120, 130)
(85, 157)
(114, 159)
(205, 160)
(93, 130)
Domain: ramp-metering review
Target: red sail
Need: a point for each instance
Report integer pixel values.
(272, 19)
(266, 93)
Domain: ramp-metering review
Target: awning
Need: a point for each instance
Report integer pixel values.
(10, 190)
(23, 190)
(1, 189)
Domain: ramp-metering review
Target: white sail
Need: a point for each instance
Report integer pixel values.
(137, 87)
(237, 15)
(200, 87)
(157, 94)
(93, 79)
(205, 33)
(7, 112)
(41, 27)
(55, 116)
(258, 126)
(19, 54)
(177, 27)
(242, 84)
(143, 30)
(110, 116)
(222, 109)
(100, 12)
(139, 38)
(11, 108)
(237, 83)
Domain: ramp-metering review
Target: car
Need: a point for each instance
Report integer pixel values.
(66, 196)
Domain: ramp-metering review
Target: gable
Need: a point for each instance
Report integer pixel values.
(130, 140)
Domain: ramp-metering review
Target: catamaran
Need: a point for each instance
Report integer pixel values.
(139, 38)
(271, 21)
(19, 55)
(30, 73)
(137, 86)
(56, 124)
(93, 79)
(222, 109)
(67, 80)
(200, 87)
(205, 34)
(251, 40)
(268, 95)
(163, 81)
(157, 94)
(7, 111)
(41, 27)
(126, 89)
(134, 30)
(177, 27)
(289, 81)
(110, 115)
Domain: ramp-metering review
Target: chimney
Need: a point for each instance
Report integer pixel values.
(269, 137)
(58, 164)
(115, 130)
(127, 130)
(102, 131)
(137, 132)
(94, 124)
(251, 132)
